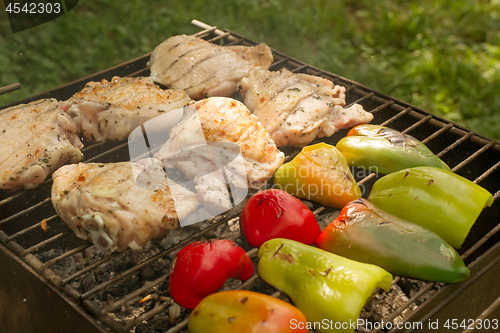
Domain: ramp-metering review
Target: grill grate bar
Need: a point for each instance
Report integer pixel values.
(25, 211)
(359, 100)
(417, 124)
(104, 313)
(244, 285)
(464, 256)
(141, 72)
(298, 69)
(134, 294)
(235, 42)
(482, 316)
(224, 35)
(348, 89)
(483, 240)
(251, 253)
(159, 307)
(47, 241)
(93, 146)
(455, 144)
(30, 228)
(159, 255)
(65, 255)
(107, 152)
(207, 31)
(473, 156)
(487, 173)
(493, 231)
(89, 268)
(397, 116)
(437, 133)
(9, 199)
(126, 273)
(249, 282)
(183, 324)
(383, 106)
(108, 320)
(412, 300)
(279, 62)
(178, 327)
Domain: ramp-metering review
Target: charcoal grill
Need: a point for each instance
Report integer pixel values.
(64, 285)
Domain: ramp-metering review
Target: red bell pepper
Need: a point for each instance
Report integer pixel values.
(274, 213)
(201, 268)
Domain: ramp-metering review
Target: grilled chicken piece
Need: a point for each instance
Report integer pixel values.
(297, 108)
(35, 139)
(220, 134)
(204, 69)
(111, 110)
(119, 205)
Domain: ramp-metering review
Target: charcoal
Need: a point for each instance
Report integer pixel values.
(124, 286)
(147, 273)
(87, 282)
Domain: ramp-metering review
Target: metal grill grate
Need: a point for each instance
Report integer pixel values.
(21, 214)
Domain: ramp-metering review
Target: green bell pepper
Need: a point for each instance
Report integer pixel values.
(385, 149)
(434, 198)
(366, 233)
(329, 289)
(318, 173)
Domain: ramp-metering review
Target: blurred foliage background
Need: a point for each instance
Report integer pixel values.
(442, 56)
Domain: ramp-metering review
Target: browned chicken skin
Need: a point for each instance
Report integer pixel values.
(110, 110)
(297, 108)
(35, 139)
(119, 205)
(204, 69)
(230, 131)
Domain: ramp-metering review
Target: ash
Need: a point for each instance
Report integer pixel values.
(145, 272)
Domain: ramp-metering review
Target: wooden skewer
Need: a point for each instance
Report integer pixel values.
(218, 32)
(9, 88)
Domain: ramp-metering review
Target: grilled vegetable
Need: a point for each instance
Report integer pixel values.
(318, 173)
(245, 311)
(276, 214)
(366, 233)
(201, 268)
(434, 198)
(324, 286)
(386, 149)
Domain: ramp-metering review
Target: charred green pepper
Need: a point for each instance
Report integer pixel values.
(318, 173)
(366, 233)
(385, 150)
(434, 198)
(327, 288)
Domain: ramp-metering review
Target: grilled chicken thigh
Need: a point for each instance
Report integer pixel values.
(220, 143)
(111, 110)
(35, 139)
(119, 205)
(204, 69)
(297, 108)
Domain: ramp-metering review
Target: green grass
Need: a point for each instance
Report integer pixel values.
(442, 56)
